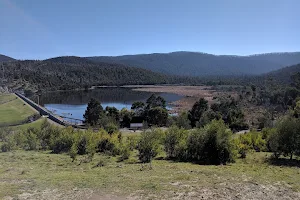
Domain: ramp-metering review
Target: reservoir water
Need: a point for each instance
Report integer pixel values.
(72, 104)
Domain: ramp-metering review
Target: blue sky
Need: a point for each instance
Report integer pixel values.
(39, 29)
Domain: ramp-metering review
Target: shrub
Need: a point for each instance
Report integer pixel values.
(149, 145)
(132, 141)
(20, 139)
(9, 144)
(47, 131)
(125, 153)
(174, 137)
(63, 141)
(4, 132)
(109, 144)
(31, 141)
(253, 141)
(111, 128)
(212, 144)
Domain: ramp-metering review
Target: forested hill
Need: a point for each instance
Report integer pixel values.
(69, 60)
(60, 74)
(4, 58)
(202, 64)
(283, 75)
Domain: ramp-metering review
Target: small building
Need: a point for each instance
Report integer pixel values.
(137, 123)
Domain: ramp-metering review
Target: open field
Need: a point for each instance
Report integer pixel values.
(42, 175)
(190, 93)
(14, 110)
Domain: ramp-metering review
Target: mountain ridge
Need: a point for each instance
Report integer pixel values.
(203, 64)
(186, 63)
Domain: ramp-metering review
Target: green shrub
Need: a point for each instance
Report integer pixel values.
(111, 128)
(47, 131)
(132, 141)
(212, 144)
(31, 141)
(109, 144)
(173, 139)
(149, 144)
(9, 144)
(4, 132)
(20, 139)
(125, 153)
(63, 141)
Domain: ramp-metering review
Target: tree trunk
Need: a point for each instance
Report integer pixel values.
(291, 158)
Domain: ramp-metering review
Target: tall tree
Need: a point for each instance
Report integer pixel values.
(157, 116)
(138, 108)
(113, 113)
(93, 112)
(156, 101)
(197, 111)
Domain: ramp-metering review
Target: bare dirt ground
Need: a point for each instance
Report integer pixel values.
(190, 93)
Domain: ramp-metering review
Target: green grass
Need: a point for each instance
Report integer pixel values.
(36, 124)
(14, 111)
(28, 171)
(6, 97)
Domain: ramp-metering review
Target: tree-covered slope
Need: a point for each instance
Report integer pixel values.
(71, 73)
(283, 75)
(202, 64)
(4, 58)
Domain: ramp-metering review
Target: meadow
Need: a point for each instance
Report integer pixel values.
(42, 175)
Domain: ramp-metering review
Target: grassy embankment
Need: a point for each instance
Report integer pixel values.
(37, 175)
(14, 111)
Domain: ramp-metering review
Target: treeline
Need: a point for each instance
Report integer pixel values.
(77, 73)
(154, 113)
(151, 113)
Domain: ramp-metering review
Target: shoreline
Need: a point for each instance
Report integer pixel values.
(190, 94)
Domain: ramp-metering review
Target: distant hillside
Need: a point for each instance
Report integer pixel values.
(4, 58)
(283, 75)
(69, 60)
(201, 64)
(73, 72)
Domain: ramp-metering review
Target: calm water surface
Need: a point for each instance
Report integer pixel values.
(73, 104)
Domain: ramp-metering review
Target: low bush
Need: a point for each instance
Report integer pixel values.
(63, 141)
(212, 144)
(174, 140)
(149, 144)
(125, 153)
(9, 144)
(108, 143)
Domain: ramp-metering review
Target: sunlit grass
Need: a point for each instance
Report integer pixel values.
(33, 171)
(14, 111)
